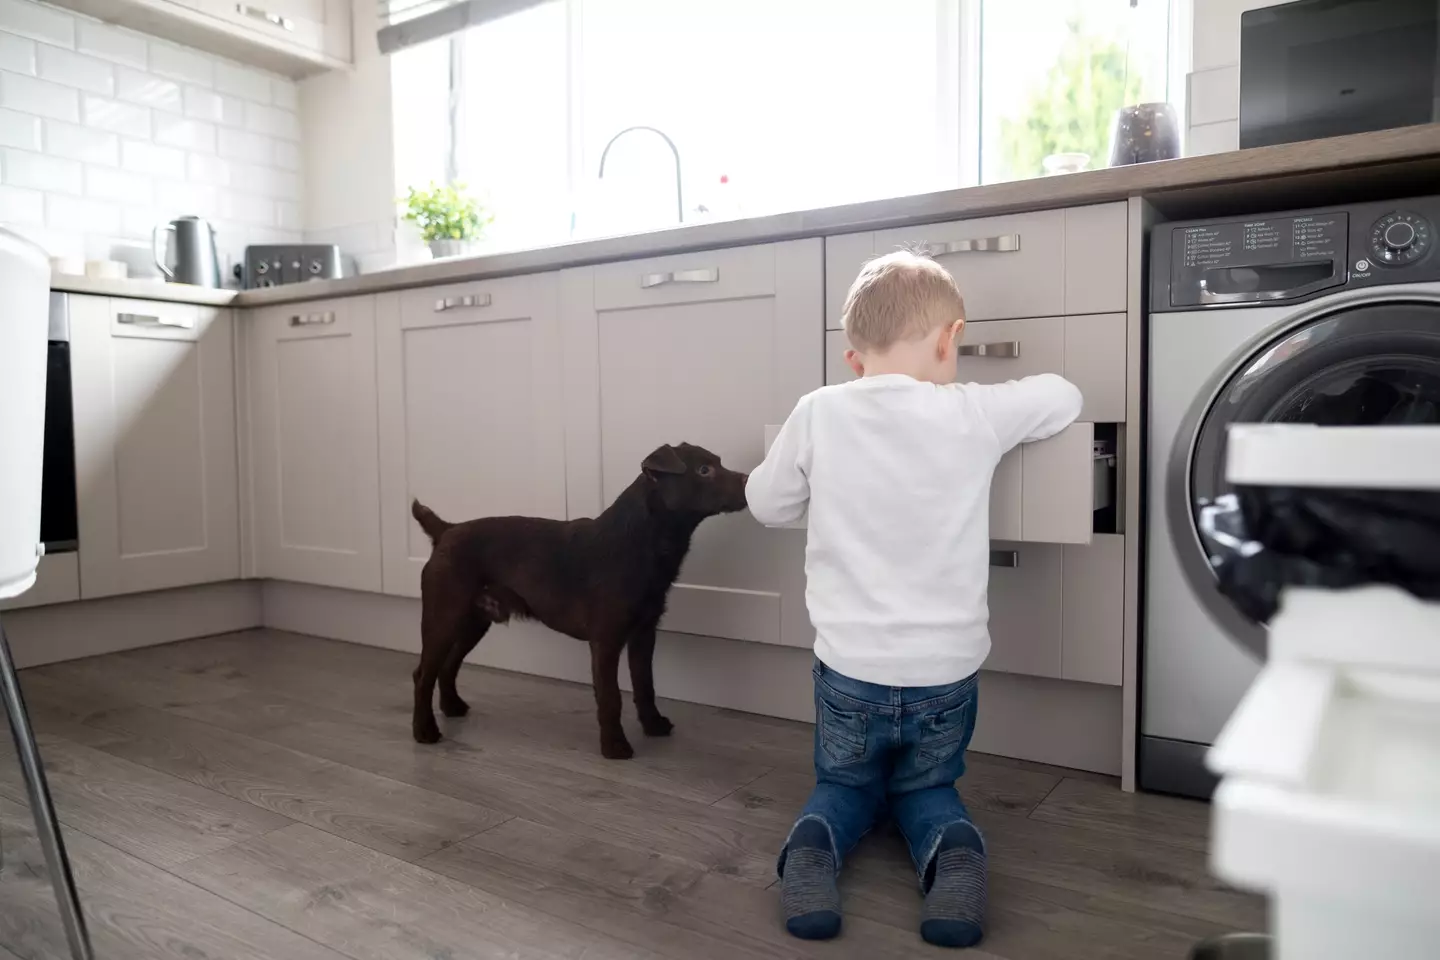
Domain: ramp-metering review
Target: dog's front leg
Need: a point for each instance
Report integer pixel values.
(642, 677)
(605, 676)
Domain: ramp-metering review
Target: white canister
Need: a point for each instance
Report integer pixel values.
(24, 326)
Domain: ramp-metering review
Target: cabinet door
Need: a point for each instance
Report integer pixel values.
(706, 348)
(157, 483)
(471, 419)
(1042, 492)
(318, 26)
(315, 449)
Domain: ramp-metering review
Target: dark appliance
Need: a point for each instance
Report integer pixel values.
(1326, 68)
(59, 522)
(270, 265)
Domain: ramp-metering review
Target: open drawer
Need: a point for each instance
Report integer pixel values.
(1045, 492)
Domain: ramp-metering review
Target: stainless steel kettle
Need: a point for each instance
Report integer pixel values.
(192, 248)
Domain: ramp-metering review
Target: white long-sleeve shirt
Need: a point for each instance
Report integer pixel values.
(893, 478)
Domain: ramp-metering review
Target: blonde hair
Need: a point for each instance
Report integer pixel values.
(900, 296)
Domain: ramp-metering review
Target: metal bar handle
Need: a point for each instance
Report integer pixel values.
(1005, 243)
(256, 13)
(1007, 350)
(148, 320)
(468, 300)
(1005, 558)
(709, 275)
(312, 319)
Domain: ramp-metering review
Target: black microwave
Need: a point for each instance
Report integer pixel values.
(1326, 68)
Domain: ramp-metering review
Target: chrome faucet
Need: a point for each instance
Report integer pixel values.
(679, 202)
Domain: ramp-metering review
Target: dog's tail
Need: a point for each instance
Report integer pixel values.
(433, 526)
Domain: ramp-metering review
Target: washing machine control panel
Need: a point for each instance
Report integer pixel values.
(1294, 256)
(1399, 238)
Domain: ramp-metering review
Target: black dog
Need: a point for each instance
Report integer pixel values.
(601, 580)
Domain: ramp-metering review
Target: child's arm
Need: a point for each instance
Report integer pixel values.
(1034, 408)
(778, 490)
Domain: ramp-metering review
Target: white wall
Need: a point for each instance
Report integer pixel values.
(350, 150)
(105, 133)
(1213, 113)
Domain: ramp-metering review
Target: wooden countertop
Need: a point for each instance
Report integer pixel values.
(1224, 182)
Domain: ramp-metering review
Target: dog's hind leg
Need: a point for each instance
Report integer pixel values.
(443, 626)
(605, 675)
(641, 651)
(451, 703)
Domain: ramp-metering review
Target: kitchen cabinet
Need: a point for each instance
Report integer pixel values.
(706, 348)
(155, 445)
(471, 414)
(1049, 263)
(1056, 610)
(293, 37)
(57, 580)
(1042, 492)
(314, 443)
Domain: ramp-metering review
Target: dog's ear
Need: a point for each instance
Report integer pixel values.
(663, 460)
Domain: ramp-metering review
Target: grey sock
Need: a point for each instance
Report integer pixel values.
(955, 906)
(808, 893)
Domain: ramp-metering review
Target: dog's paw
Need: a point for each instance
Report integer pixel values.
(426, 732)
(616, 748)
(454, 708)
(656, 726)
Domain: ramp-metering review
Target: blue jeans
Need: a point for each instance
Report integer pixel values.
(893, 751)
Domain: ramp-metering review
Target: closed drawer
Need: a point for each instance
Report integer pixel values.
(1089, 351)
(732, 274)
(155, 320)
(485, 301)
(1056, 610)
(1051, 263)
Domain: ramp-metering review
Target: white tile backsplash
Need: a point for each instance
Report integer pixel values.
(128, 119)
(101, 40)
(76, 70)
(18, 205)
(177, 63)
(39, 172)
(106, 183)
(106, 133)
(37, 21)
(148, 90)
(19, 130)
(39, 97)
(196, 135)
(17, 54)
(243, 82)
(81, 143)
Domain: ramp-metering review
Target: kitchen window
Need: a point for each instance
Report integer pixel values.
(773, 105)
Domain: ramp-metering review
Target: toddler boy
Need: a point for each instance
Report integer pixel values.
(892, 472)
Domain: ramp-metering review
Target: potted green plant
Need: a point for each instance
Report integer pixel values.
(450, 220)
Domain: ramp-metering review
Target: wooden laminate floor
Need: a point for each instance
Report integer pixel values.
(258, 795)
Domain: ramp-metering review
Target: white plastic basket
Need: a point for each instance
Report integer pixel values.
(24, 320)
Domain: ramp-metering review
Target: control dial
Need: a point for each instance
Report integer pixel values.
(1399, 238)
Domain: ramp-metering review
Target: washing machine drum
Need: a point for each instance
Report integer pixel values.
(1365, 364)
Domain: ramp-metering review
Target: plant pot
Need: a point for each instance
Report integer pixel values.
(450, 248)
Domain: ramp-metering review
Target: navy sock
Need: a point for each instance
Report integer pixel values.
(808, 892)
(955, 906)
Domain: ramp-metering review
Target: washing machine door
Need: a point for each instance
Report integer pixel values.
(1359, 362)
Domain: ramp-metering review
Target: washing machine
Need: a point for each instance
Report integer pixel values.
(1327, 316)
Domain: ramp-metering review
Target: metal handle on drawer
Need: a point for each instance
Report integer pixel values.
(710, 275)
(256, 13)
(1008, 350)
(1210, 296)
(1004, 558)
(468, 300)
(146, 320)
(312, 319)
(1005, 243)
